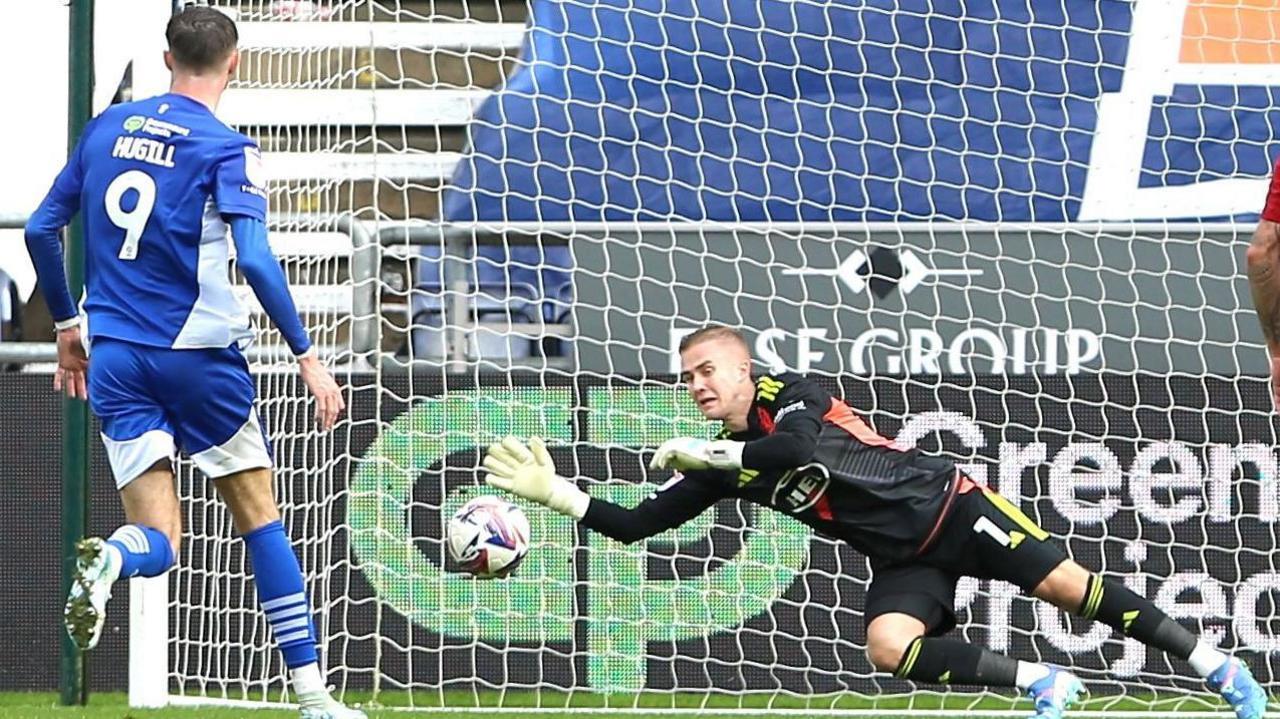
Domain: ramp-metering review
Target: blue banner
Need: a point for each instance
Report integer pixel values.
(786, 110)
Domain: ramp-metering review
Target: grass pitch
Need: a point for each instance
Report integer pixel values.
(26, 705)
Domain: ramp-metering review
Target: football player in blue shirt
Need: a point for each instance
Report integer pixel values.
(158, 182)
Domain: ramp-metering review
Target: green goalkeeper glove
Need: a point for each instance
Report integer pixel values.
(528, 472)
(685, 453)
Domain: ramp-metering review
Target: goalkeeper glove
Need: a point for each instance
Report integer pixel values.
(688, 453)
(528, 472)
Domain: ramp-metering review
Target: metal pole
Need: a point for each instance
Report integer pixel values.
(11, 221)
(26, 353)
(456, 276)
(75, 413)
(366, 264)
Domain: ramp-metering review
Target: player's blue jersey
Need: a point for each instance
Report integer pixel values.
(153, 179)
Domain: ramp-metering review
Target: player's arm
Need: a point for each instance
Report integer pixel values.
(797, 411)
(528, 472)
(241, 196)
(45, 244)
(1263, 260)
(263, 272)
(797, 414)
(240, 193)
(668, 506)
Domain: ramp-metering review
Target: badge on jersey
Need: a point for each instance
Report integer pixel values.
(242, 183)
(253, 170)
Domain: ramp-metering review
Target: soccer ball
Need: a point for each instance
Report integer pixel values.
(488, 537)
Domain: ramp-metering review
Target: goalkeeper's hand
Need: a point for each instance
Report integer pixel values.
(684, 453)
(528, 472)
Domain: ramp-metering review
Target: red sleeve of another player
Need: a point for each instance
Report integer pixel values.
(1271, 211)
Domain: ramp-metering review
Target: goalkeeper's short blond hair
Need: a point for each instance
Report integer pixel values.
(710, 333)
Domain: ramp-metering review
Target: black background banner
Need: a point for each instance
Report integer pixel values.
(1198, 542)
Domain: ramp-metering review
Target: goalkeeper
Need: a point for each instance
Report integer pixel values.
(788, 445)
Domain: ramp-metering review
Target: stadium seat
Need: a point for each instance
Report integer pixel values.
(302, 106)
(533, 283)
(261, 102)
(559, 304)
(557, 283)
(495, 308)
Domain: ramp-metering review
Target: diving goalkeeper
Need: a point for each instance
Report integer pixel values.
(789, 445)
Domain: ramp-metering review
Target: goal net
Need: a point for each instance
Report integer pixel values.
(1009, 232)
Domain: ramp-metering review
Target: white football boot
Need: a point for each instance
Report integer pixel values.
(97, 568)
(324, 706)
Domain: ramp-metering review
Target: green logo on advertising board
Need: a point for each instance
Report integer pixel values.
(624, 608)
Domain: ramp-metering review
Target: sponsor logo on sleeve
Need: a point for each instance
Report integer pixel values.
(672, 481)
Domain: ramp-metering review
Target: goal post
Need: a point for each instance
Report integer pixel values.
(72, 687)
(1013, 234)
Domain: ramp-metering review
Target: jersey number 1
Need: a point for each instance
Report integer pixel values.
(134, 221)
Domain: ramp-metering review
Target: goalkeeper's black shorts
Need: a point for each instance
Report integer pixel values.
(986, 536)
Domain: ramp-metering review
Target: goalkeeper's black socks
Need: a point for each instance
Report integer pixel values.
(949, 661)
(1115, 605)
(934, 660)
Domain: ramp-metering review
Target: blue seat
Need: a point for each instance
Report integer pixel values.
(523, 283)
(494, 264)
(499, 305)
(558, 303)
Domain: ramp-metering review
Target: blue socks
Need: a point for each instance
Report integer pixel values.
(146, 551)
(282, 593)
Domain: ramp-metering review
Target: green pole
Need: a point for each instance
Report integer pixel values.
(75, 413)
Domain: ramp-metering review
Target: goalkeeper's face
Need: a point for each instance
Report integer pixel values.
(717, 374)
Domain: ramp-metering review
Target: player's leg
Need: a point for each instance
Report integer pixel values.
(910, 607)
(1092, 596)
(1018, 550)
(221, 432)
(281, 589)
(137, 548)
(139, 438)
(139, 443)
(148, 544)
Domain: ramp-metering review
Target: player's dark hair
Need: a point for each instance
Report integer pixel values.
(714, 332)
(200, 37)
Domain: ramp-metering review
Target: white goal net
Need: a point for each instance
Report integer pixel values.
(1011, 232)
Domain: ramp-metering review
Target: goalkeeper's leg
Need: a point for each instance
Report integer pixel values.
(1008, 545)
(896, 642)
(1095, 597)
(908, 609)
(145, 547)
(281, 590)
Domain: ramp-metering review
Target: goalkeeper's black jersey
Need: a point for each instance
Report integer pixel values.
(887, 501)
